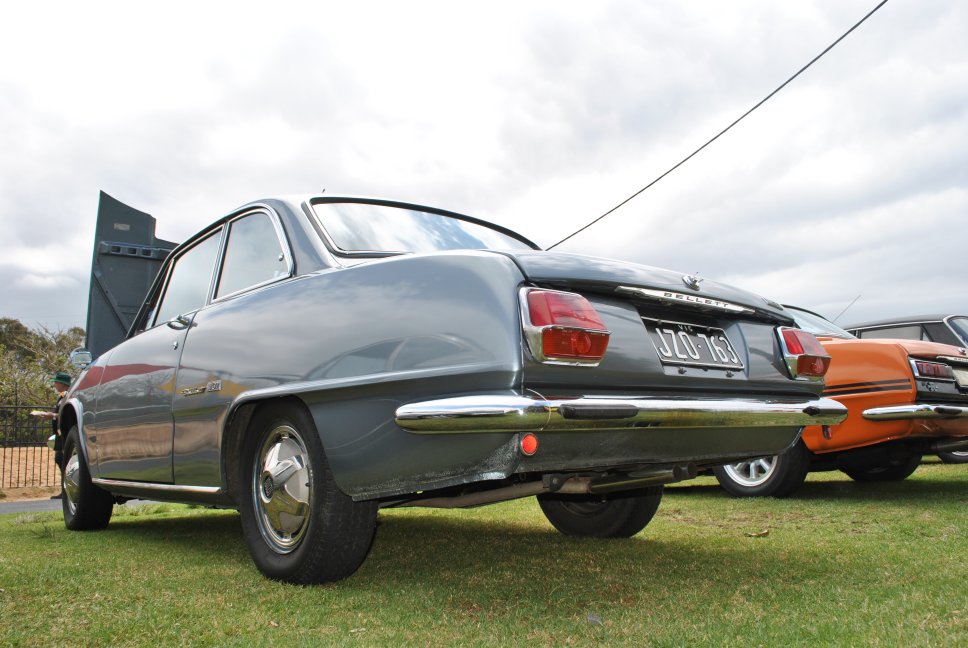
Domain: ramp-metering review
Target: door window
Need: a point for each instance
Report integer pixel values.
(911, 332)
(253, 255)
(190, 280)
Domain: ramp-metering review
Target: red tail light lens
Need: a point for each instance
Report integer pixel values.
(563, 327)
(805, 356)
(925, 369)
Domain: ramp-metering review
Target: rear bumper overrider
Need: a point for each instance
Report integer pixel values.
(503, 413)
(915, 412)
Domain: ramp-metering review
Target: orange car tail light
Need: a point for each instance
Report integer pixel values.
(925, 369)
(804, 355)
(563, 328)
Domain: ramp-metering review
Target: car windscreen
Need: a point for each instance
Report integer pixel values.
(818, 325)
(960, 327)
(364, 227)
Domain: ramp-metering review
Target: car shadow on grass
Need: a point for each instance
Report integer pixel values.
(474, 554)
(909, 492)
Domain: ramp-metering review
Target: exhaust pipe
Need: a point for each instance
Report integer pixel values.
(558, 484)
(948, 445)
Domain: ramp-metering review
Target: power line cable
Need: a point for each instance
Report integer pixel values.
(722, 132)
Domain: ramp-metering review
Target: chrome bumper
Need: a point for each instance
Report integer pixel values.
(912, 412)
(482, 414)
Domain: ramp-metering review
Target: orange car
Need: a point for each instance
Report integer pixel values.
(905, 398)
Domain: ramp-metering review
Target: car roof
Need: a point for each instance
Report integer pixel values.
(913, 319)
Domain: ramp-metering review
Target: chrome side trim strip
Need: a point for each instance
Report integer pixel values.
(917, 411)
(370, 379)
(108, 484)
(483, 414)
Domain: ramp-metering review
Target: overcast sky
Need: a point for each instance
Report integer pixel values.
(539, 116)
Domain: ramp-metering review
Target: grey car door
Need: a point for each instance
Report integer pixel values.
(219, 354)
(134, 417)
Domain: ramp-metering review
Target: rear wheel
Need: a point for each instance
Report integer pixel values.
(894, 471)
(86, 507)
(619, 515)
(958, 457)
(776, 476)
(299, 526)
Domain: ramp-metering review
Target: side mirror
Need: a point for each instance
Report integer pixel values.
(81, 357)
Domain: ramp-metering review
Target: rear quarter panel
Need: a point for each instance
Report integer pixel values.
(354, 344)
(864, 374)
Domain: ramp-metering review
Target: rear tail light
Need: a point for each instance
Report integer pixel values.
(805, 357)
(929, 370)
(563, 328)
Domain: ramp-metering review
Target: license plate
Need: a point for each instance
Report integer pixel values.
(961, 375)
(678, 343)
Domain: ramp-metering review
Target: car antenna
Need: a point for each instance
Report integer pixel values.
(845, 310)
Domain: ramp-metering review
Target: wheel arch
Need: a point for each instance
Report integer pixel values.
(71, 414)
(234, 434)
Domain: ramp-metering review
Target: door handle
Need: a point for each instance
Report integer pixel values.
(180, 323)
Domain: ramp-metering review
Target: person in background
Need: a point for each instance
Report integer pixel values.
(61, 382)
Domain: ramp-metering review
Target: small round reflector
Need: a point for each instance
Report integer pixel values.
(529, 444)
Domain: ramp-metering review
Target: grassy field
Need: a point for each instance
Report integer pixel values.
(839, 564)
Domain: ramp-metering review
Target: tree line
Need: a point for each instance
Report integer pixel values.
(29, 358)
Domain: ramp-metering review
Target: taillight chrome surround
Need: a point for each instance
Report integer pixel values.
(805, 357)
(922, 373)
(536, 334)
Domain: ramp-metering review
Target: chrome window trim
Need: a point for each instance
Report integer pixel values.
(280, 237)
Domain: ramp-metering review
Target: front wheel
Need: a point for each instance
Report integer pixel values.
(299, 526)
(894, 471)
(86, 507)
(958, 457)
(776, 476)
(619, 515)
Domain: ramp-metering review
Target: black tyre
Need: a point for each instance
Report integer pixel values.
(299, 526)
(776, 476)
(86, 507)
(958, 457)
(894, 471)
(619, 515)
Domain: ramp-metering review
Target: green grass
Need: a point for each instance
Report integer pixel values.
(843, 564)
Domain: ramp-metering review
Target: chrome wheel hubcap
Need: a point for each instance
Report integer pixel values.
(72, 479)
(282, 488)
(752, 472)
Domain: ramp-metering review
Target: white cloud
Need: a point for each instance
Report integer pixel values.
(539, 116)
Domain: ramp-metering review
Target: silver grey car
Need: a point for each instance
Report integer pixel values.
(311, 361)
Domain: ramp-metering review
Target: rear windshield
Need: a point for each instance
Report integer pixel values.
(818, 325)
(960, 326)
(359, 227)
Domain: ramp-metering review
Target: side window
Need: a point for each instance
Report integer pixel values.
(253, 255)
(911, 332)
(190, 279)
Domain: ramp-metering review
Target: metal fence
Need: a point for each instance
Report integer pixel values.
(25, 459)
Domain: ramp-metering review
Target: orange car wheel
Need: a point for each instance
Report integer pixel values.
(776, 476)
(894, 471)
